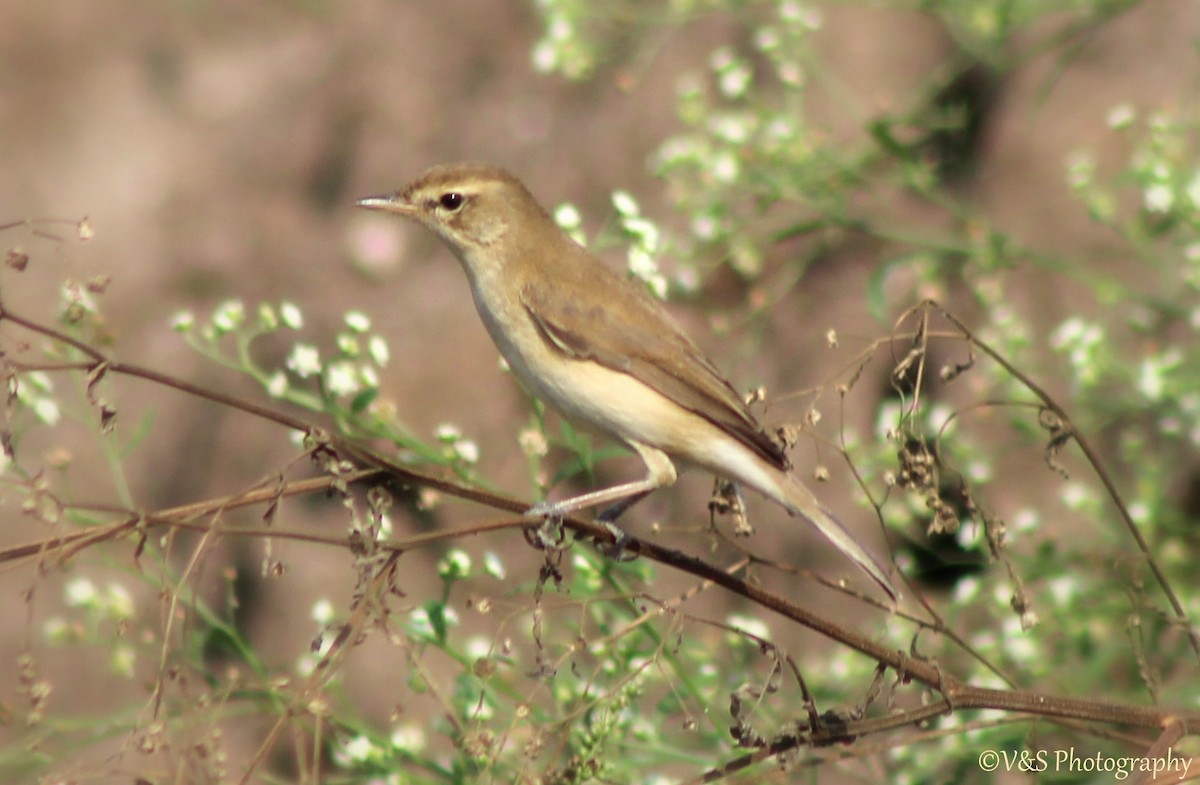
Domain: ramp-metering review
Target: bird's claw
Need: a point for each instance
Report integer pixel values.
(546, 509)
(618, 549)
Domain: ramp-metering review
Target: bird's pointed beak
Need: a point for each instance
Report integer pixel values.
(390, 203)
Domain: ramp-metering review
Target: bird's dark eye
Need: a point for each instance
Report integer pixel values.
(451, 201)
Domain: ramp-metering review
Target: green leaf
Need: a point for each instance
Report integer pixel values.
(881, 132)
(437, 620)
(364, 399)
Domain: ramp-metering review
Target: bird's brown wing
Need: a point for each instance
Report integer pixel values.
(650, 347)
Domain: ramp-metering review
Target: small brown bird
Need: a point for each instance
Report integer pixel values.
(599, 348)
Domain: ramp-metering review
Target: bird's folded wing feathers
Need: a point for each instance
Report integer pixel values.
(664, 358)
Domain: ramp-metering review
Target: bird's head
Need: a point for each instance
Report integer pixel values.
(472, 207)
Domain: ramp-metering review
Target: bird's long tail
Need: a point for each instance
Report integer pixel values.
(799, 500)
(785, 489)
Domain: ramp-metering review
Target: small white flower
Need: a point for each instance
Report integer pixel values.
(1158, 198)
(419, 623)
(347, 344)
(378, 349)
(725, 167)
(229, 315)
(625, 204)
(183, 321)
(359, 749)
(493, 565)
(749, 624)
(306, 663)
(544, 57)
(290, 314)
(456, 563)
(735, 80)
(781, 129)
(560, 29)
(965, 591)
(979, 471)
(704, 227)
(357, 321)
(120, 603)
(941, 416)
(646, 232)
(1075, 495)
(267, 316)
(721, 58)
(1150, 379)
(478, 646)
(277, 385)
(1081, 167)
(305, 360)
(409, 738)
(766, 39)
(56, 629)
(341, 378)
(81, 592)
(792, 73)
(482, 711)
(123, 660)
(641, 263)
(533, 442)
(687, 279)
(886, 418)
(46, 410)
(731, 128)
(467, 450)
(809, 18)
(1025, 520)
(1121, 116)
(1067, 333)
(791, 11)
(322, 611)
(1063, 590)
(567, 216)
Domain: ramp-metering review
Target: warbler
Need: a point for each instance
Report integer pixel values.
(599, 349)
